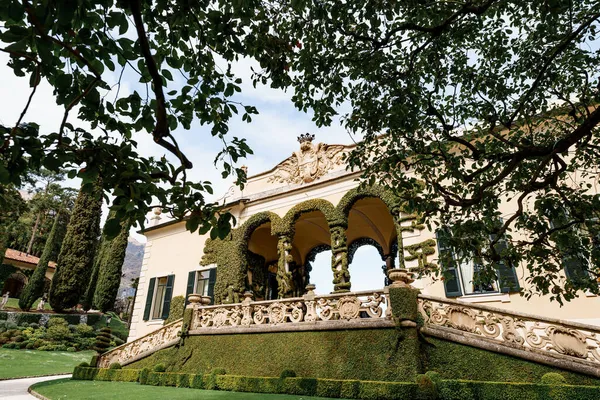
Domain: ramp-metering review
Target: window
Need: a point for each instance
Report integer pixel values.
(158, 300)
(159, 297)
(202, 279)
(201, 282)
(464, 275)
(575, 256)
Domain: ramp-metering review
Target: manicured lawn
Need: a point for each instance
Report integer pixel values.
(21, 363)
(14, 304)
(68, 389)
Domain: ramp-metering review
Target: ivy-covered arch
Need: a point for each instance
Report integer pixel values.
(393, 202)
(364, 241)
(332, 215)
(232, 258)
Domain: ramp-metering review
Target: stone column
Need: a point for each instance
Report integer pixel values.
(339, 260)
(284, 276)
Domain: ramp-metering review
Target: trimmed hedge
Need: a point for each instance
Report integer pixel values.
(458, 361)
(106, 374)
(350, 389)
(364, 354)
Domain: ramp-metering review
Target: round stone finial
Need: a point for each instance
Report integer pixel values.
(400, 277)
(157, 211)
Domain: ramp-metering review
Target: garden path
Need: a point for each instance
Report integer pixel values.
(16, 389)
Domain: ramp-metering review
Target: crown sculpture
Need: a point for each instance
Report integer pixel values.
(306, 137)
(309, 163)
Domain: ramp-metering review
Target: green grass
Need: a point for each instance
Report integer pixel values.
(69, 389)
(14, 304)
(21, 363)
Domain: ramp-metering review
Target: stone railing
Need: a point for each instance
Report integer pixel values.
(556, 342)
(352, 309)
(143, 346)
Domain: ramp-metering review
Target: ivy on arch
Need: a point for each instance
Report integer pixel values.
(364, 241)
(332, 215)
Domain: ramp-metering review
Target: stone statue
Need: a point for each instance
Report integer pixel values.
(4, 300)
(309, 163)
(40, 306)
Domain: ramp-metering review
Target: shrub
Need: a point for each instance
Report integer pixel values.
(60, 347)
(553, 378)
(102, 340)
(3, 324)
(34, 325)
(28, 318)
(219, 371)
(159, 368)
(18, 339)
(23, 325)
(287, 373)
(22, 345)
(71, 349)
(3, 315)
(426, 386)
(84, 330)
(11, 325)
(83, 365)
(94, 319)
(144, 375)
(56, 321)
(115, 366)
(176, 310)
(30, 346)
(58, 333)
(118, 341)
(8, 346)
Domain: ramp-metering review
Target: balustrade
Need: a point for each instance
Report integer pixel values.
(557, 339)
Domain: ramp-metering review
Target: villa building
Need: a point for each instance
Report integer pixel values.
(306, 204)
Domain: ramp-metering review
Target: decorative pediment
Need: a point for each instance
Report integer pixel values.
(309, 163)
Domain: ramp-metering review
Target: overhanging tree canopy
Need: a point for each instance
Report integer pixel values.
(486, 101)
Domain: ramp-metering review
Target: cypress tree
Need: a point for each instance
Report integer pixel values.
(109, 273)
(88, 297)
(35, 287)
(76, 257)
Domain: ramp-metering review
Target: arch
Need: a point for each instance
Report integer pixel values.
(245, 230)
(14, 284)
(331, 213)
(393, 202)
(364, 241)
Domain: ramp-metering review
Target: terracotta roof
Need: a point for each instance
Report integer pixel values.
(15, 255)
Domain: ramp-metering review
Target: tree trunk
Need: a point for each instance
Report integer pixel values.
(33, 232)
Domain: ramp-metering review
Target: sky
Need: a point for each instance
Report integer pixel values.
(272, 135)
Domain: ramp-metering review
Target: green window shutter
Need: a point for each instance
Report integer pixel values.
(575, 267)
(507, 274)
(149, 298)
(448, 265)
(190, 285)
(212, 278)
(168, 294)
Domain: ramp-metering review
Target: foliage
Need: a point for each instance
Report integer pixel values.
(176, 310)
(196, 42)
(287, 373)
(103, 340)
(553, 378)
(12, 206)
(350, 389)
(5, 271)
(29, 231)
(76, 257)
(35, 287)
(456, 361)
(484, 102)
(159, 368)
(115, 366)
(88, 297)
(367, 354)
(109, 269)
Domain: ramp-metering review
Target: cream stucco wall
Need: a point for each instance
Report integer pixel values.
(172, 250)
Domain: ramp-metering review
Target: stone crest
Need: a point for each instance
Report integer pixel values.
(309, 163)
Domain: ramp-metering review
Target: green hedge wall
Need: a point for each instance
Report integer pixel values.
(365, 354)
(106, 374)
(72, 319)
(349, 389)
(457, 361)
